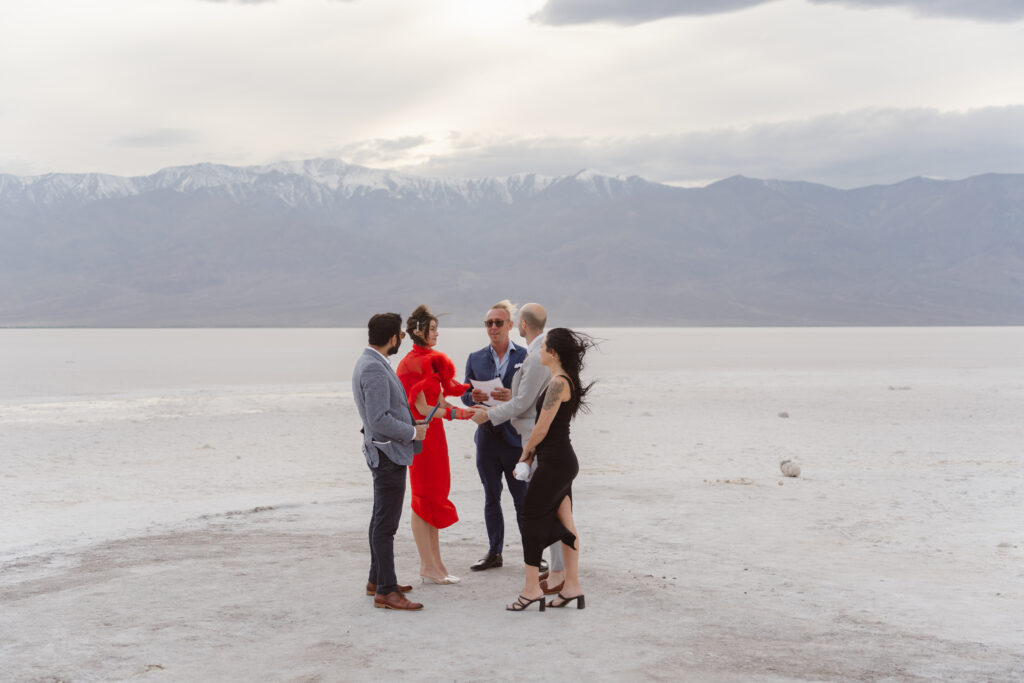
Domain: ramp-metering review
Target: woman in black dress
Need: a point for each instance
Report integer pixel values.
(547, 509)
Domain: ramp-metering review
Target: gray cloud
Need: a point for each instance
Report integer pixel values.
(380, 151)
(853, 149)
(632, 12)
(159, 137)
(981, 10)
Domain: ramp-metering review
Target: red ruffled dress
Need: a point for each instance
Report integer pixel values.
(430, 477)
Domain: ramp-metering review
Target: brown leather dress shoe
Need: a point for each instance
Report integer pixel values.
(395, 600)
(553, 589)
(371, 588)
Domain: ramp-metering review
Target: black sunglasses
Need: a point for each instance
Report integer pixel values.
(494, 323)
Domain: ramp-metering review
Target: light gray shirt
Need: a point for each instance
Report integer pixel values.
(527, 384)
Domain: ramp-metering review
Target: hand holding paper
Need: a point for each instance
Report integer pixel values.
(487, 386)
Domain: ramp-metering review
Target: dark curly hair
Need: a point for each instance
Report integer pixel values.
(382, 327)
(418, 324)
(571, 347)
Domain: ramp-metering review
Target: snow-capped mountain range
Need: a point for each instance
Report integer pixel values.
(310, 183)
(322, 242)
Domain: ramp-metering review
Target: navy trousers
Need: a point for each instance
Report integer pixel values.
(388, 496)
(496, 459)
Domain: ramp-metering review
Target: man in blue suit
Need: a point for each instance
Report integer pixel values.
(389, 442)
(497, 447)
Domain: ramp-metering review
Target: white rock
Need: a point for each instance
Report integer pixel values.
(789, 468)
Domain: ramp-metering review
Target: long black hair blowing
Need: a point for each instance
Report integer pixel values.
(571, 347)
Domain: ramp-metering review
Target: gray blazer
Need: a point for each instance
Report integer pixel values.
(384, 409)
(521, 409)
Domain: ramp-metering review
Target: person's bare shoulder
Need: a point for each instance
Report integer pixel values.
(556, 387)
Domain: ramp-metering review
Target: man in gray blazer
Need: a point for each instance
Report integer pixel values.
(390, 436)
(521, 409)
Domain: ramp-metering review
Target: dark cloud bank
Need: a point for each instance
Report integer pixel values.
(630, 12)
(846, 150)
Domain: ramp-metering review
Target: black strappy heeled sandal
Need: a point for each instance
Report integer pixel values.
(522, 602)
(580, 602)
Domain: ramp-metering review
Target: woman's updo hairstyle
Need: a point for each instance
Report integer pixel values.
(571, 347)
(418, 324)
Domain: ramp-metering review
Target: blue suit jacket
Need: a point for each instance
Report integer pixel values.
(384, 409)
(480, 365)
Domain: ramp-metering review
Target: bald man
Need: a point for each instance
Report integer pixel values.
(521, 409)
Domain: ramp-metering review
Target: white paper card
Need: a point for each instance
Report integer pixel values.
(487, 386)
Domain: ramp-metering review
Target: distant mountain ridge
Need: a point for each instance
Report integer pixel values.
(310, 183)
(322, 242)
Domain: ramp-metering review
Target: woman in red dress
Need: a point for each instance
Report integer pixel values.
(428, 376)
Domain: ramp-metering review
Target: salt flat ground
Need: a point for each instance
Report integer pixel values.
(186, 505)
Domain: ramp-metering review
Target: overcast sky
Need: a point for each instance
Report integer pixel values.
(841, 92)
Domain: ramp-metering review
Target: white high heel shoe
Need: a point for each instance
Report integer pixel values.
(446, 581)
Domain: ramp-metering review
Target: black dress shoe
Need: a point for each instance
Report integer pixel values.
(488, 562)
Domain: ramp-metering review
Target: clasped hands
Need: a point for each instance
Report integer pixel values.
(458, 413)
(499, 394)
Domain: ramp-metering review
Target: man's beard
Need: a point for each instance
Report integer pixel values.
(392, 350)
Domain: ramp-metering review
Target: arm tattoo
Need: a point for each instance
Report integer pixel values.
(554, 394)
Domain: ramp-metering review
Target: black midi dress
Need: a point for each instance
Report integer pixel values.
(551, 483)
